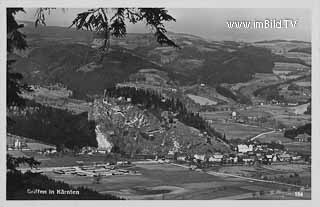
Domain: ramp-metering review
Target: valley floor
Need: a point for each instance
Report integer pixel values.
(172, 181)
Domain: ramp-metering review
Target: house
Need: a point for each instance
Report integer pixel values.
(269, 157)
(199, 157)
(216, 158)
(245, 148)
(285, 157)
(258, 148)
(103, 151)
(234, 159)
(295, 158)
(182, 158)
(248, 159)
(303, 138)
(51, 151)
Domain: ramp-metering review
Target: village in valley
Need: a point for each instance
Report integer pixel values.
(208, 120)
(270, 162)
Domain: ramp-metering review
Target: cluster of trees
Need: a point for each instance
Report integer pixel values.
(308, 111)
(226, 92)
(54, 126)
(239, 97)
(292, 133)
(272, 93)
(293, 87)
(156, 103)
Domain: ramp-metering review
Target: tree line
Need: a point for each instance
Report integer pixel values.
(292, 133)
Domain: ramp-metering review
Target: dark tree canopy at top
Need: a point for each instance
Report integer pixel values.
(113, 22)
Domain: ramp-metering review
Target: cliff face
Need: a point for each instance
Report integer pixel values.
(121, 125)
(128, 129)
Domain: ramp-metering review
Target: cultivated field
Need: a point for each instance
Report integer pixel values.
(259, 80)
(57, 97)
(207, 92)
(301, 147)
(288, 172)
(288, 67)
(303, 56)
(167, 181)
(236, 130)
(274, 137)
(286, 115)
(201, 100)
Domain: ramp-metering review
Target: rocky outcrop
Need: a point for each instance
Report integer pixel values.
(102, 139)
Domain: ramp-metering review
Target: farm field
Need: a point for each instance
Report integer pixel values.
(274, 137)
(207, 92)
(303, 56)
(260, 79)
(301, 147)
(282, 47)
(217, 115)
(289, 67)
(271, 172)
(57, 97)
(303, 83)
(201, 100)
(286, 115)
(166, 181)
(236, 130)
(270, 114)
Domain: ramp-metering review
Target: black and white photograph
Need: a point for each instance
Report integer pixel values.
(158, 103)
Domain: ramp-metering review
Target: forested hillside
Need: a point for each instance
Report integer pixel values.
(53, 126)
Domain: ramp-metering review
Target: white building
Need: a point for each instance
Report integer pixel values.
(199, 157)
(245, 148)
(216, 158)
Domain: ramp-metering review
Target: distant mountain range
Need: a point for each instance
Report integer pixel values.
(65, 55)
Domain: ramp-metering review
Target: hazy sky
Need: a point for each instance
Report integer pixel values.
(211, 23)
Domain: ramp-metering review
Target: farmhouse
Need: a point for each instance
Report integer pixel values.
(284, 157)
(199, 157)
(216, 158)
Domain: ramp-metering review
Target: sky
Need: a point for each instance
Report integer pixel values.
(211, 23)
